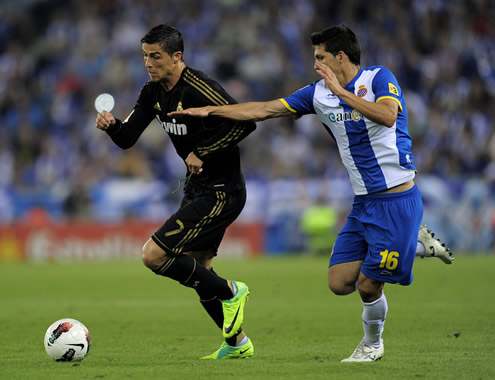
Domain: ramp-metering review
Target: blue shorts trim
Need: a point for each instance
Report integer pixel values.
(382, 231)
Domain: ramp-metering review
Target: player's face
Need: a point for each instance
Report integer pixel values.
(326, 57)
(159, 64)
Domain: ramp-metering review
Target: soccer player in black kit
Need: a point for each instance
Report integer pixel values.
(214, 195)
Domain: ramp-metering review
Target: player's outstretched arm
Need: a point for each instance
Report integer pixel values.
(253, 111)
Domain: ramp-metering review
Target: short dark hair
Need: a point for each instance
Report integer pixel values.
(169, 38)
(339, 38)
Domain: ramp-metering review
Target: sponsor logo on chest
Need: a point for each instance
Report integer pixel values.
(172, 127)
(353, 115)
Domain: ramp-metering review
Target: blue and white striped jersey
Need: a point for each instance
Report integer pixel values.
(376, 157)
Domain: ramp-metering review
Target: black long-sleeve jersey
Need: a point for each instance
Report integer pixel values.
(213, 139)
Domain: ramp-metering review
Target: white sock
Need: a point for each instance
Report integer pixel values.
(243, 341)
(234, 287)
(420, 249)
(374, 314)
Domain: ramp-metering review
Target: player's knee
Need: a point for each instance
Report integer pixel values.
(205, 258)
(339, 283)
(153, 256)
(370, 290)
(342, 277)
(340, 290)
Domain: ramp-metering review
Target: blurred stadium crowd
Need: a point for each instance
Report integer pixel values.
(57, 56)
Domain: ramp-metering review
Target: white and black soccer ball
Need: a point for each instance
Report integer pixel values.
(67, 340)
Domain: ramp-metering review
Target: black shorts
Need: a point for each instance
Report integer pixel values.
(201, 220)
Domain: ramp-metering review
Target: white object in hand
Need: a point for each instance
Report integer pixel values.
(104, 102)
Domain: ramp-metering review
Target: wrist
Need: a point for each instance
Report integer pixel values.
(341, 92)
(113, 128)
(197, 154)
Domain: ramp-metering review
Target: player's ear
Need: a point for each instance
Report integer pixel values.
(177, 56)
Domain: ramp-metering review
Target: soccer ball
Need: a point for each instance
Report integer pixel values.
(67, 340)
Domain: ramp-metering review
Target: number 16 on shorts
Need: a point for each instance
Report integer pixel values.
(389, 259)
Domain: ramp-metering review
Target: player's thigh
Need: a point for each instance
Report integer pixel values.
(348, 253)
(392, 224)
(350, 244)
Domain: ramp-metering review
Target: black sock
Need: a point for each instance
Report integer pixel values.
(214, 309)
(212, 306)
(186, 270)
(233, 339)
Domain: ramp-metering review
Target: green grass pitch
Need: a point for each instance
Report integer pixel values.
(147, 327)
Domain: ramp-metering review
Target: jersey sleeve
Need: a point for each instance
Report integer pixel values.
(125, 133)
(301, 101)
(385, 86)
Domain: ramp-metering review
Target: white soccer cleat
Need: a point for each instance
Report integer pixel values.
(434, 247)
(364, 353)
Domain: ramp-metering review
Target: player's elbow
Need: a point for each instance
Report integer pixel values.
(389, 117)
(126, 146)
(389, 121)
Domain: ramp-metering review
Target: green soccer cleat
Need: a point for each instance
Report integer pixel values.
(233, 310)
(232, 352)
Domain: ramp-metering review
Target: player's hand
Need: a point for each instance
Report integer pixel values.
(329, 76)
(194, 164)
(104, 120)
(194, 112)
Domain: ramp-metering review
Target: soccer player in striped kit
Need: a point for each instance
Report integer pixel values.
(214, 194)
(364, 110)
